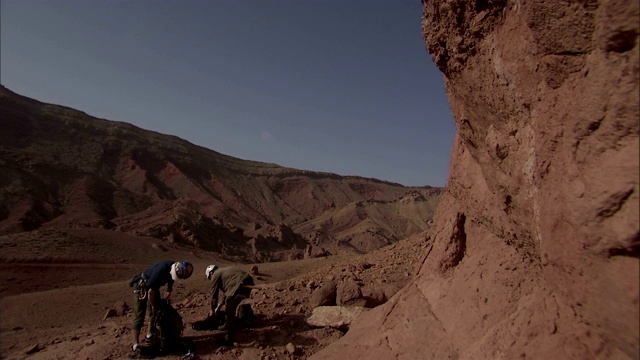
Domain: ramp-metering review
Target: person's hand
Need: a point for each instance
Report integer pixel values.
(166, 295)
(210, 313)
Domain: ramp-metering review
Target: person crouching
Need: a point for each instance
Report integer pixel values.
(233, 285)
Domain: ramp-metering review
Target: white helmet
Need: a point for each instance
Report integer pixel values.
(209, 270)
(181, 270)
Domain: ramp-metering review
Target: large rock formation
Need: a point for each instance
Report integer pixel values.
(536, 240)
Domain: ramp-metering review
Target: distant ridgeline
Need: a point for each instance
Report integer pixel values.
(62, 168)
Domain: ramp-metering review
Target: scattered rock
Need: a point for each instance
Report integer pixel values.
(110, 313)
(324, 296)
(159, 247)
(121, 307)
(33, 349)
(292, 349)
(338, 317)
(254, 270)
(348, 293)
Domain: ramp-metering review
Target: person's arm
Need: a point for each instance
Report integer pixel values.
(216, 288)
(169, 290)
(214, 301)
(151, 293)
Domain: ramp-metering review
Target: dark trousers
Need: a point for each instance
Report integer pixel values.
(140, 310)
(231, 307)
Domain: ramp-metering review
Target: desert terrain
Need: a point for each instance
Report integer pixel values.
(88, 203)
(533, 251)
(53, 310)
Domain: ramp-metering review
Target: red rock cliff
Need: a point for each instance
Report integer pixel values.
(536, 242)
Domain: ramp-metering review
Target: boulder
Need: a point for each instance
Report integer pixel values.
(338, 317)
(348, 292)
(324, 295)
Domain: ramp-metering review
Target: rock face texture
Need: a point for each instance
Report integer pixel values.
(536, 243)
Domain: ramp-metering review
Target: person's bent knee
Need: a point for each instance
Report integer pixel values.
(137, 325)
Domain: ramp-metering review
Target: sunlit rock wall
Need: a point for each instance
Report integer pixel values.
(536, 240)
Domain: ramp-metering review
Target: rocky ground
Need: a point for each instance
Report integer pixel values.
(82, 311)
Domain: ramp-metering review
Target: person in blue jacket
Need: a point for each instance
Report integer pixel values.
(147, 291)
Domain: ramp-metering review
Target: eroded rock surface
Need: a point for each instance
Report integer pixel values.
(536, 240)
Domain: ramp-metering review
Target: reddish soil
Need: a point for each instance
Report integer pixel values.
(56, 310)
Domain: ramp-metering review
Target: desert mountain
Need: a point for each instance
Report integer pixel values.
(63, 169)
(536, 241)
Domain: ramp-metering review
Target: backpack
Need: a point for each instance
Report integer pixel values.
(169, 324)
(169, 341)
(210, 323)
(245, 318)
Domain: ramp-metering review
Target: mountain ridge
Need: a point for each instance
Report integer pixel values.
(63, 167)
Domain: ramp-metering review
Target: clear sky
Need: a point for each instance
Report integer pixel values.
(342, 86)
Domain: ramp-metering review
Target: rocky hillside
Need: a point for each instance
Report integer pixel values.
(536, 241)
(61, 168)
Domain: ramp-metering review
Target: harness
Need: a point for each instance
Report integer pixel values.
(139, 281)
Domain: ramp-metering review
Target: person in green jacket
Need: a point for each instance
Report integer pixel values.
(232, 285)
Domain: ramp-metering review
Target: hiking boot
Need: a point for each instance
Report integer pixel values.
(149, 338)
(188, 356)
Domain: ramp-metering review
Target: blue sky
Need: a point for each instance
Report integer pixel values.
(342, 86)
